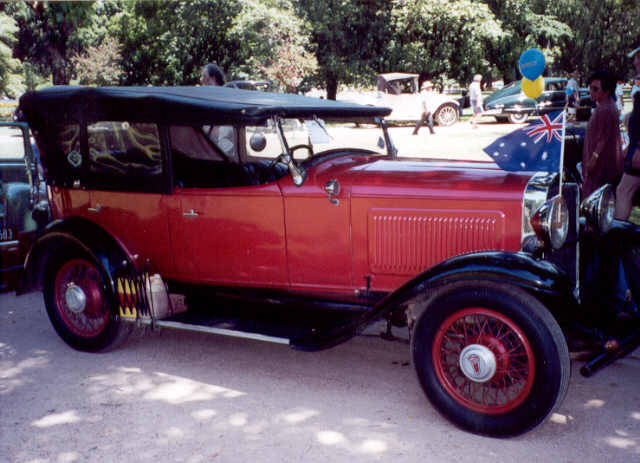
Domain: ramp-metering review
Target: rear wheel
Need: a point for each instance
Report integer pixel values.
(79, 304)
(490, 357)
(446, 115)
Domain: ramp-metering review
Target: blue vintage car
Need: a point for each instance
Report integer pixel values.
(510, 103)
(23, 205)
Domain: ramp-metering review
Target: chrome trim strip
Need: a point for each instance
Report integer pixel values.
(210, 330)
(8, 244)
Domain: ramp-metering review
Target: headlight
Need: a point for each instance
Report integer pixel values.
(551, 222)
(599, 208)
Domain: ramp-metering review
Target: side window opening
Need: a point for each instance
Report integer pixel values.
(206, 157)
(61, 154)
(125, 156)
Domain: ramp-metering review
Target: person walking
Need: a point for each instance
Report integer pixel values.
(427, 101)
(475, 98)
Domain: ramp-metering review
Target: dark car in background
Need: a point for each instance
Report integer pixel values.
(21, 194)
(511, 104)
(260, 85)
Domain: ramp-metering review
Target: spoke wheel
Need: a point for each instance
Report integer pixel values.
(78, 297)
(447, 115)
(489, 356)
(484, 360)
(79, 303)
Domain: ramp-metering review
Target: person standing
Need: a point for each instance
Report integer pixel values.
(601, 157)
(619, 92)
(428, 101)
(222, 135)
(631, 178)
(573, 81)
(475, 98)
(212, 75)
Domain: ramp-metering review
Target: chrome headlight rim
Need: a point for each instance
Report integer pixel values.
(599, 208)
(550, 222)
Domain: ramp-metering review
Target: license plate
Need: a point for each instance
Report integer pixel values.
(6, 234)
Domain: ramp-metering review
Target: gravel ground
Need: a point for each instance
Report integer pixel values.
(188, 397)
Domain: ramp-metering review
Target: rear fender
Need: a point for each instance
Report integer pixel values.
(77, 234)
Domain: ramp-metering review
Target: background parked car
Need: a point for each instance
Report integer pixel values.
(399, 91)
(510, 103)
(21, 190)
(261, 85)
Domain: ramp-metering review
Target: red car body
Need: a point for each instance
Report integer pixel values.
(165, 199)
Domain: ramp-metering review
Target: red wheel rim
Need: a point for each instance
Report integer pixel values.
(514, 374)
(79, 298)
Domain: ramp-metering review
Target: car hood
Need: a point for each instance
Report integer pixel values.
(424, 178)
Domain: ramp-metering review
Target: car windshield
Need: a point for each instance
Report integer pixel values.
(318, 135)
(11, 143)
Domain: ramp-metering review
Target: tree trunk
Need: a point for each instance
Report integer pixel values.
(332, 88)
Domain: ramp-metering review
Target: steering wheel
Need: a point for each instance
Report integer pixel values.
(281, 158)
(309, 148)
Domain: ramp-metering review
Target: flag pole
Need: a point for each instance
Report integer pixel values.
(564, 119)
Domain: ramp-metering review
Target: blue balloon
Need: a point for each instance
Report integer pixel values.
(568, 90)
(531, 63)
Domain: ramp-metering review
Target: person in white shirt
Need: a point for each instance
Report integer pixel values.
(475, 98)
(428, 101)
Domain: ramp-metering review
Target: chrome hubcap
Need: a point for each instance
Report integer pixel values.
(478, 363)
(75, 298)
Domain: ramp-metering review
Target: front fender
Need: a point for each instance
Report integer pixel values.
(72, 233)
(540, 278)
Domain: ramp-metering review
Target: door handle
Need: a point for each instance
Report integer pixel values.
(190, 213)
(96, 209)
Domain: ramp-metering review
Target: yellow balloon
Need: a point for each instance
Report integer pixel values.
(533, 88)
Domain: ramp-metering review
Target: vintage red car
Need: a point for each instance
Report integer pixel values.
(169, 200)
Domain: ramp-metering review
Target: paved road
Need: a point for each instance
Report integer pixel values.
(190, 397)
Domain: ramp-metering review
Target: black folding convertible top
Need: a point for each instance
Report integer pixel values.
(187, 105)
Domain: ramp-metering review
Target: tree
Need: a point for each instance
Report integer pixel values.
(48, 35)
(99, 65)
(526, 24)
(168, 43)
(441, 38)
(10, 82)
(349, 39)
(289, 65)
(603, 32)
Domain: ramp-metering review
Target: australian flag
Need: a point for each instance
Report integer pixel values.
(534, 147)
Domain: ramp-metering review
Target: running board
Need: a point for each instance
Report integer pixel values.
(210, 330)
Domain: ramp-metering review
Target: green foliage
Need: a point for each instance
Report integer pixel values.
(604, 32)
(49, 33)
(443, 38)
(10, 79)
(328, 42)
(168, 43)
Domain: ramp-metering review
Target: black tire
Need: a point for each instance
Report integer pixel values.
(496, 321)
(93, 325)
(446, 115)
(518, 118)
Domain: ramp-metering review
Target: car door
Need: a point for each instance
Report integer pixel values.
(230, 236)
(227, 228)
